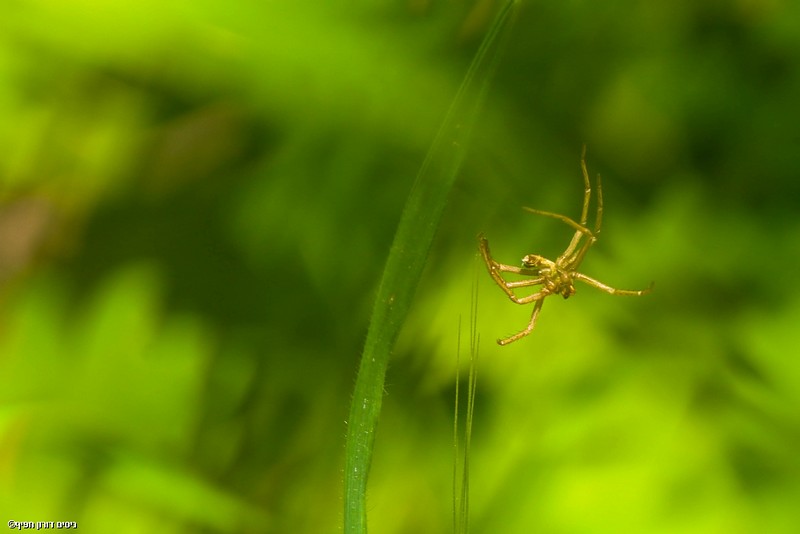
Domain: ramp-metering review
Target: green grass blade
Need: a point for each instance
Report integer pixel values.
(405, 264)
(461, 464)
(456, 438)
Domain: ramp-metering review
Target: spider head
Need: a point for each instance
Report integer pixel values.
(533, 261)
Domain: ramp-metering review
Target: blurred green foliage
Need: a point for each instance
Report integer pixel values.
(197, 200)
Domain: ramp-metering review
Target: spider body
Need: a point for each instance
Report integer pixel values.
(555, 277)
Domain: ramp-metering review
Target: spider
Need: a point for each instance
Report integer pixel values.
(556, 277)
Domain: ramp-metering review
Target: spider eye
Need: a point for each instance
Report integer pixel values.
(531, 261)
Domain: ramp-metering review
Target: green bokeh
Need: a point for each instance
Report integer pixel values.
(197, 201)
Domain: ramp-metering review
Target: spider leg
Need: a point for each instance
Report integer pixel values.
(587, 188)
(536, 297)
(573, 262)
(599, 217)
(496, 268)
(528, 329)
(569, 256)
(524, 271)
(526, 283)
(580, 229)
(610, 290)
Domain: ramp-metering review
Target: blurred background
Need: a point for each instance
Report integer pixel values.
(197, 200)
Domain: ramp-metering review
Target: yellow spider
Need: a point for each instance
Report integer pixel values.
(555, 277)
